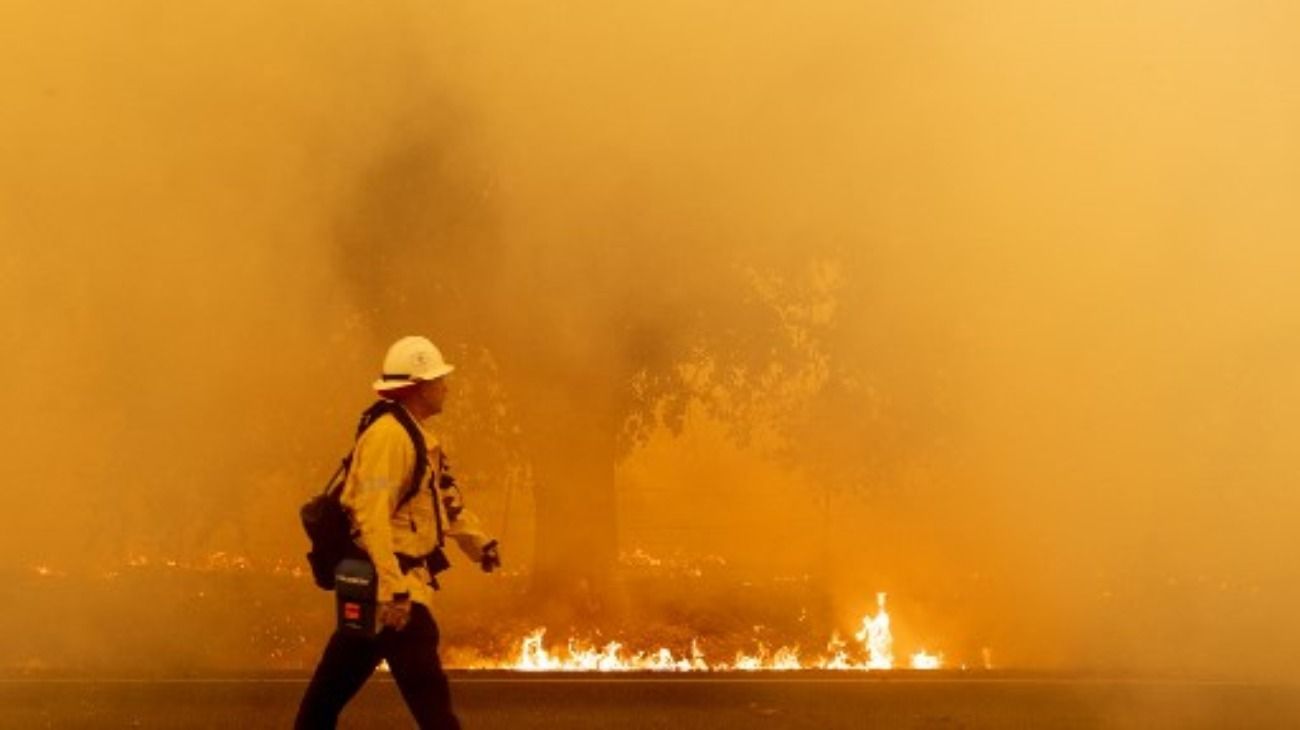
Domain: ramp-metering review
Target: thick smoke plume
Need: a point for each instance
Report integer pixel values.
(990, 308)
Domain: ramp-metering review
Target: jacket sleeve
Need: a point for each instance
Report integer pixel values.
(463, 526)
(381, 466)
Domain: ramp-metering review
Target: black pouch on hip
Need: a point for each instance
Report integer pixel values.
(436, 562)
(356, 588)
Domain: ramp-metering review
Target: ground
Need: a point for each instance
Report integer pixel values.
(694, 702)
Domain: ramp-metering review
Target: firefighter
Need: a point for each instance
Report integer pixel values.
(402, 533)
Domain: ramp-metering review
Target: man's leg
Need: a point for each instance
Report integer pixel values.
(412, 655)
(347, 664)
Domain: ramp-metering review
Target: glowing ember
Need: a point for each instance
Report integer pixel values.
(577, 656)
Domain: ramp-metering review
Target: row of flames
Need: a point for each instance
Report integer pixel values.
(876, 639)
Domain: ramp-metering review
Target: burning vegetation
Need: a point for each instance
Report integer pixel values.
(874, 652)
(213, 587)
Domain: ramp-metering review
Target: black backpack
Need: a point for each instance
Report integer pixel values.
(326, 520)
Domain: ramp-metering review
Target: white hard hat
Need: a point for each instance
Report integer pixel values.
(410, 360)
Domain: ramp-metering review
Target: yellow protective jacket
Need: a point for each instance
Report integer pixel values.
(381, 472)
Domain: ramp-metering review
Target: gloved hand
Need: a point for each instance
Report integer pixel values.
(491, 557)
(395, 614)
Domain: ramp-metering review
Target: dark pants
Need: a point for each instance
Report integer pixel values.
(412, 655)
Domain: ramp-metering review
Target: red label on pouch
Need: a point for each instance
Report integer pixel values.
(352, 611)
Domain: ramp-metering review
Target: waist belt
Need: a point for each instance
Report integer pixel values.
(409, 562)
(435, 562)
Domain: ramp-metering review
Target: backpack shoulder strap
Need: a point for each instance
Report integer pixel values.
(372, 414)
(334, 487)
(421, 449)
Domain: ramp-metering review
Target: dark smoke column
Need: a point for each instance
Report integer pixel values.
(570, 430)
(420, 248)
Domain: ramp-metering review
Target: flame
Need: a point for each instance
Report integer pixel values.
(533, 656)
(924, 660)
(839, 658)
(874, 650)
(875, 637)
